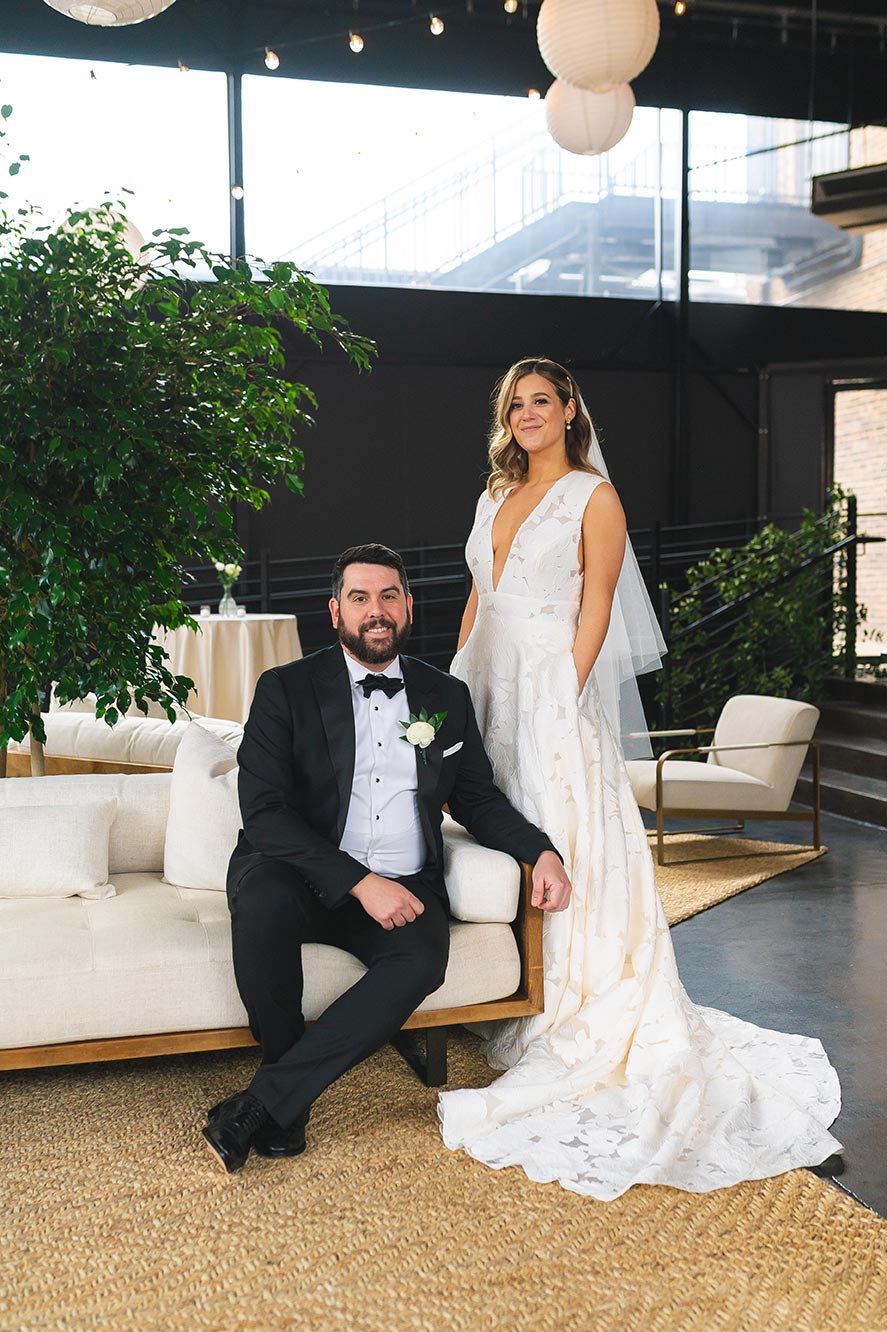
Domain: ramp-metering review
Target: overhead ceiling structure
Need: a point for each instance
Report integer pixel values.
(802, 60)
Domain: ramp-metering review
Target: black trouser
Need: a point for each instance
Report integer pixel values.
(274, 912)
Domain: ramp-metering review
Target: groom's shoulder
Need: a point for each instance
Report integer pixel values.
(326, 661)
(432, 675)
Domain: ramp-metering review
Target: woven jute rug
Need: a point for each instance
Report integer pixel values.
(114, 1219)
(708, 869)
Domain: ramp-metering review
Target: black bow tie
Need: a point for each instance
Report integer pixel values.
(386, 682)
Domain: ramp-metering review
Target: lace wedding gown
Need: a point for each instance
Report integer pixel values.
(623, 1079)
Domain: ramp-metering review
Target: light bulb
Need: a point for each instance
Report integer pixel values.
(183, 68)
(680, 8)
(510, 6)
(272, 59)
(355, 41)
(534, 94)
(236, 191)
(436, 25)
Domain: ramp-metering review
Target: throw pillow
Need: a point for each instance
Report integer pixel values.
(204, 812)
(56, 850)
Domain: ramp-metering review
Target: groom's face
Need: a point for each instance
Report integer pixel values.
(373, 615)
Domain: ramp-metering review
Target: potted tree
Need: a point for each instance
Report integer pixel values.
(136, 408)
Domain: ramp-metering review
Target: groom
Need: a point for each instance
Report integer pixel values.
(341, 844)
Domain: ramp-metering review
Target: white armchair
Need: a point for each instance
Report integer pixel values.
(750, 772)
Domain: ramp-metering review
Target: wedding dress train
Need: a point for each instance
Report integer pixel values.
(623, 1079)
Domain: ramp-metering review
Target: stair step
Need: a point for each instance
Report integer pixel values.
(853, 753)
(850, 794)
(854, 719)
(870, 692)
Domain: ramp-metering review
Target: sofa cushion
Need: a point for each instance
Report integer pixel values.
(157, 958)
(204, 812)
(73, 733)
(138, 830)
(56, 850)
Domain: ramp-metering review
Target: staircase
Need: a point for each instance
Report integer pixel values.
(852, 733)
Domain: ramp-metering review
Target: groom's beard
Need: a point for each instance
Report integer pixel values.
(373, 651)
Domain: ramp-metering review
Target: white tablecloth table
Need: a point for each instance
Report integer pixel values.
(226, 657)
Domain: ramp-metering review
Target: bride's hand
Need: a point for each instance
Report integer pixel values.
(551, 887)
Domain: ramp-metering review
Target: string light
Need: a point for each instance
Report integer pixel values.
(534, 94)
(510, 6)
(236, 191)
(355, 41)
(436, 25)
(680, 8)
(183, 68)
(272, 59)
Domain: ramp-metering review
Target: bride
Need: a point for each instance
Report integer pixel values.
(622, 1080)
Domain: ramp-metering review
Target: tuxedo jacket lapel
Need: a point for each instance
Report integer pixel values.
(332, 688)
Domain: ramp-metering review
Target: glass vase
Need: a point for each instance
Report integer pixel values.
(227, 606)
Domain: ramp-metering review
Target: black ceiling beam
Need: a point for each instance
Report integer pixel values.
(705, 60)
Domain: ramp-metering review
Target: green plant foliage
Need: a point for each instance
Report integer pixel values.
(135, 410)
(788, 623)
(14, 166)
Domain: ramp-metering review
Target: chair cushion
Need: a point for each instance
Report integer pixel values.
(689, 784)
(139, 827)
(157, 958)
(749, 718)
(56, 850)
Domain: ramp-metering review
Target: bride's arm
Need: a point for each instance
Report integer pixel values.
(601, 554)
(468, 617)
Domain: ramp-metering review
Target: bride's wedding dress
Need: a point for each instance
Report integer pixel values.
(623, 1080)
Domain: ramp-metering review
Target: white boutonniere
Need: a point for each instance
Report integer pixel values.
(421, 731)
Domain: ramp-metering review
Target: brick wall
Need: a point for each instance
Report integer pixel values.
(861, 417)
(861, 466)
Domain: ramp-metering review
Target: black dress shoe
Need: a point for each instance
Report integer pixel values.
(271, 1140)
(231, 1132)
(276, 1142)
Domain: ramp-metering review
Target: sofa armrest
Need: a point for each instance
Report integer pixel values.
(483, 885)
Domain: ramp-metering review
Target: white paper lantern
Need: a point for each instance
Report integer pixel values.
(597, 44)
(588, 122)
(110, 13)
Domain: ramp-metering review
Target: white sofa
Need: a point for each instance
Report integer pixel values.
(76, 740)
(148, 970)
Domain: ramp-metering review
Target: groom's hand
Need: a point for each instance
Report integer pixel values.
(387, 902)
(551, 887)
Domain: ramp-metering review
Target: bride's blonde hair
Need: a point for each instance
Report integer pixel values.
(508, 461)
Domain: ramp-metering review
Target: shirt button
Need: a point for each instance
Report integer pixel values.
(377, 709)
(378, 779)
(379, 743)
(377, 818)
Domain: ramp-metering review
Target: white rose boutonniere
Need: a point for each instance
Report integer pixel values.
(421, 731)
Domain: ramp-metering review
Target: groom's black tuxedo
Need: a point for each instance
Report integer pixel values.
(297, 763)
(289, 883)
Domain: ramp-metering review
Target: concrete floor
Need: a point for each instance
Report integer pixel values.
(807, 952)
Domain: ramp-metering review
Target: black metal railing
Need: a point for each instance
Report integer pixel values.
(440, 582)
(719, 633)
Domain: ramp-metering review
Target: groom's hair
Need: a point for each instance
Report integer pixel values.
(368, 554)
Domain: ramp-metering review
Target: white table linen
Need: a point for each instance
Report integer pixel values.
(226, 656)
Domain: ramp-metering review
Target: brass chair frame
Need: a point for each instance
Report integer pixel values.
(740, 815)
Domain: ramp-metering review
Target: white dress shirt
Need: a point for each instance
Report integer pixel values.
(382, 830)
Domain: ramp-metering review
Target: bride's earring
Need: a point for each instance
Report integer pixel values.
(569, 423)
